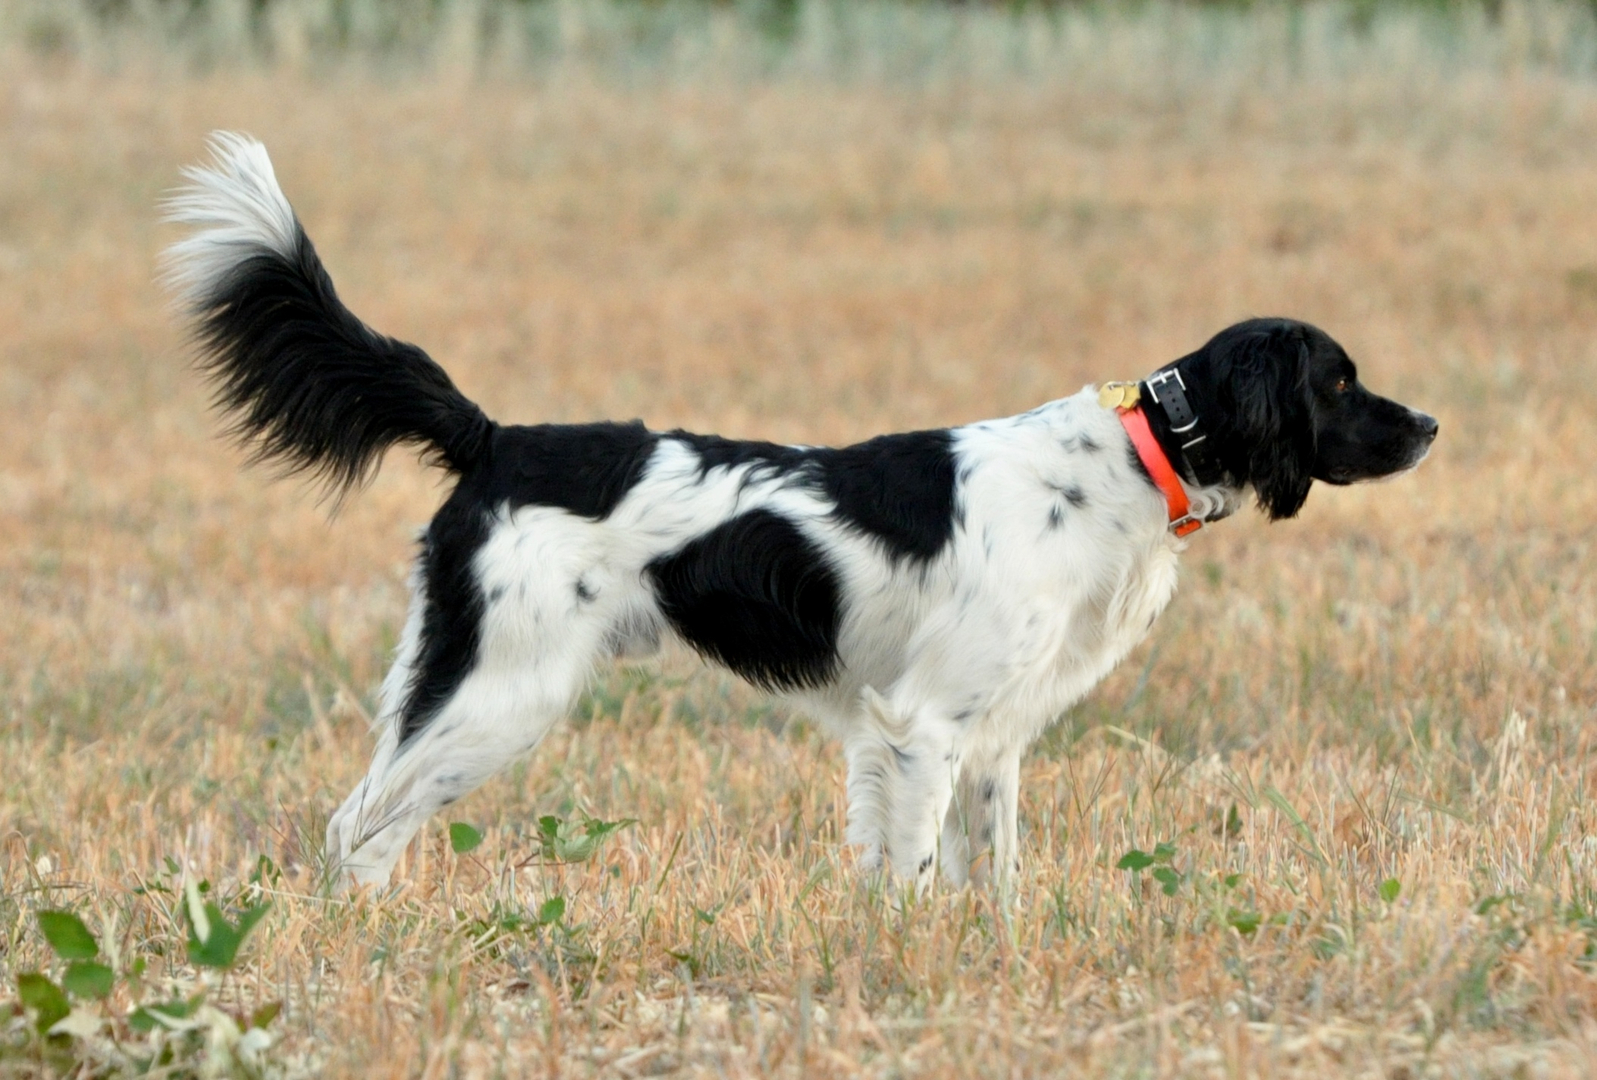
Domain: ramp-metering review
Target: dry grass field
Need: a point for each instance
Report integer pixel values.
(1365, 736)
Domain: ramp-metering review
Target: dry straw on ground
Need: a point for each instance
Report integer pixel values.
(1397, 686)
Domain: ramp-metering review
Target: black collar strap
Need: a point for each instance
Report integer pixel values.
(1169, 391)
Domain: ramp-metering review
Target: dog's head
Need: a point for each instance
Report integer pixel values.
(1283, 407)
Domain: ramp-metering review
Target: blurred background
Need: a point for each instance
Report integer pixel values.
(814, 221)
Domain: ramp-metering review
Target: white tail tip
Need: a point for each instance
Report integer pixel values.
(241, 213)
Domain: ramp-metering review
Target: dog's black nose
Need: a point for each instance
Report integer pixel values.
(1428, 425)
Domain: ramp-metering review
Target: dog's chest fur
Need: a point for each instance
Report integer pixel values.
(1062, 562)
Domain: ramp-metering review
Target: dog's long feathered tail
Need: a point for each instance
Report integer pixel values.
(310, 386)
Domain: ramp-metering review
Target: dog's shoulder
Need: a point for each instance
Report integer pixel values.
(1063, 472)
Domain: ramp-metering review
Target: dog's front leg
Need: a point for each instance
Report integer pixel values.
(901, 768)
(980, 833)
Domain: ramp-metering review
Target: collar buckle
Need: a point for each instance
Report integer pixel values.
(1159, 378)
(1169, 391)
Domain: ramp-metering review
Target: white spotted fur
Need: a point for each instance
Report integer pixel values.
(1013, 623)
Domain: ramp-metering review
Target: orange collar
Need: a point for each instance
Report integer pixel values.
(1158, 465)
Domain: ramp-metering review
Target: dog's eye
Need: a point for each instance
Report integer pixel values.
(1344, 384)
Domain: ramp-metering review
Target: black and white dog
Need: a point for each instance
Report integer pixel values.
(935, 598)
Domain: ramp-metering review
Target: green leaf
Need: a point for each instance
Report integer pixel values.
(86, 979)
(68, 936)
(552, 911)
(1231, 880)
(579, 849)
(265, 1014)
(147, 1017)
(43, 997)
(1244, 922)
(594, 833)
(462, 837)
(220, 948)
(1389, 890)
(1136, 861)
(561, 841)
(251, 916)
(1169, 878)
(601, 829)
(1164, 852)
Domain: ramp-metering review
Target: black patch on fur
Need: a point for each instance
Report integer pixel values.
(1055, 518)
(312, 387)
(1091, 445)
(585, 593)
(756, 595)
(766, 460)
(452, 612)
(898, 489)
(584, 468)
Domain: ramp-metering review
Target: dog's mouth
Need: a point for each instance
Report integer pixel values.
(1400, 452)
(1343, 475)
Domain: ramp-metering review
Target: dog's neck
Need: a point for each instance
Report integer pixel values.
(1180, 428)
(1177, 423)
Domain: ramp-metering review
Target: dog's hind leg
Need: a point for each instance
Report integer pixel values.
(542, 624)
(495, 718)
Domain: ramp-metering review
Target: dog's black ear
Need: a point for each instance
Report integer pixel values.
(1274, 418)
